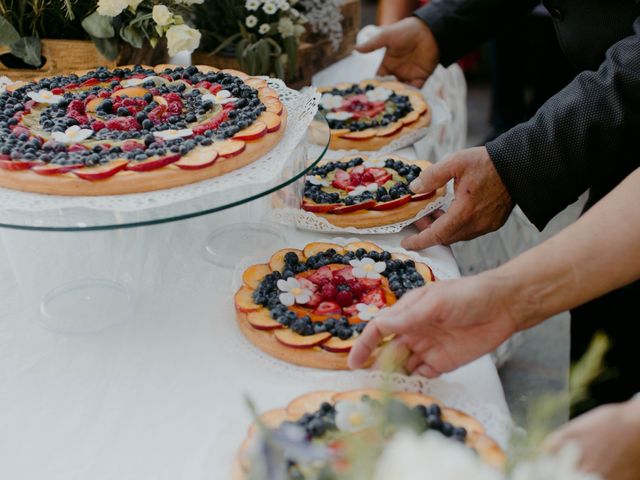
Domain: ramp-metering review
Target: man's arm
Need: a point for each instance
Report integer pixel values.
(577, 136)
(461, 25)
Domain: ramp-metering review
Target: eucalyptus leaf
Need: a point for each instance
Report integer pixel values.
(98, 26)
(8, 34)
(28, 49)
(132, 35)
(108, 47)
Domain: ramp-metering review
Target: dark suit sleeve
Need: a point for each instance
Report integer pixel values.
(460, 25)
(581, 136)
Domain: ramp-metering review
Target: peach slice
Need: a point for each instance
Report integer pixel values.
(368, 246)
(268, 92)
(410, 118)
(252, 132)
(256, 83)
(293, 340)
(317, 247)
(153, 163)
(92, 105)
(391, 204)
(230, 148)
(51, 169)
(273, 105)
(198, 159)
(356, 395)
(426, 272)
(276, 262)
(6, 164)
(411, 399)
(390, 129)
(367, 204)
(260, 320)
(309, 402)
(339, 132)
(131, 92)
(422, 196)
(271, 120)
(420, 107)
(361, 135)
(319, 207)
(244, 300)
(101, 172)
(253, 275)
(202, 68)
(400, 256)
(337, 345)
(160, 100)
(236, 73)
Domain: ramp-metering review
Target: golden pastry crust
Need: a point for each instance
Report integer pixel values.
(264, 334)
(378, 137)
(366, 218)
(169, 176)
(490, 452)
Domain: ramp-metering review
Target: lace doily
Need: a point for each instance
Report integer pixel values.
(301, 108)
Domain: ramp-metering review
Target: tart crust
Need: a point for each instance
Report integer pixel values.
(127, 181)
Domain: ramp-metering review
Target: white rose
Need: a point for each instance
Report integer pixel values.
(111, 8)
(162, 15)
(182, 37)
(264, 28)
(251, 21)
(286, 27)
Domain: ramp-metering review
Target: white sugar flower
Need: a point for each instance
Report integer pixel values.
(72, 135)
(173, 134)
(264, 28)
(270, 7)
(292, 292)
(182, 37)
(353, 417)
(222, 97)
(252, 5)
(374, 163)
(339, 116)
(162, 15)
(251, 21)
(379, 94)
(317, 180)
(367, 312)
(367, 268)
(4, 83)
(329, 101)
(45, 96)
(359, 190)
(286, 27)
(132, 82)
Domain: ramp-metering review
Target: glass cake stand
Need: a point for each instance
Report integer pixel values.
(84, 267)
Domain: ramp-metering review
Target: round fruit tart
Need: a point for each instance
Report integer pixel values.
(364, 192)
(134, 129)
(328, 422)
(371, 114)
(307, 307)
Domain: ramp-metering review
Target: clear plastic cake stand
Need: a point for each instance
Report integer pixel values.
(83, 269)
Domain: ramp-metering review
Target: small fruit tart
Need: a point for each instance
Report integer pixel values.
(307, 307)
(366, 192)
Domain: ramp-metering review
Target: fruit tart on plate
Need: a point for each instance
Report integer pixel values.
(371, 114)
(364, 192)
(307, 307)
(327, 421)
(134, 129)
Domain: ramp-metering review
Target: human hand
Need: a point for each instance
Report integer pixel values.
(412, 52)
(608, 440)
(482, 203)
(445, 324)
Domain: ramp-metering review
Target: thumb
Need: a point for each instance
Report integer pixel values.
(433, 177)
(379, 41)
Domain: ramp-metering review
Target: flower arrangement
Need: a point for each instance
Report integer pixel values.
(109, 23)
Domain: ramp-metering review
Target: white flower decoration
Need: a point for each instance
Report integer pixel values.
(353, 417)
(379, 94)
(293, 12)
(286, 27)
(339, 115)
(292, 292)
(270, 7)
(162, 15)
(72, 135)
(329, 101)
(374, 163)
(222, 97)
(264, 28)
(45, 96)
(252, 5)
(4, 83)
(367, 268)
(359, 190)
(284, 5)
(317, 180)
(251, 21)
(173, 134)
(182, 37)
(112, 8)
(367, 312)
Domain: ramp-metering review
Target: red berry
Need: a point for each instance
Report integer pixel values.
(344, 298)
(173, 97)
(367, 177)
(356, 179)
(76, 148)
(131, 145)
(328, 291)
(76, 105)
(215, 88)
(175, 108)
(97, 125)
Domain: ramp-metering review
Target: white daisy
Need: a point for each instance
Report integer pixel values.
(339, 115)
(293, 12)
(317, 180)
(222, 97)
(379, 94)
(284, 5)
(252, 5)
(72, 135)
(264, 28)
(359, 190)
(286, 27)
(367, 312)
(251, 21)
(45, 96)
(329, 101)
(367, 268)
(353, 417)
(270, 7)
(374, 163)
(173, 134)
(292, 292)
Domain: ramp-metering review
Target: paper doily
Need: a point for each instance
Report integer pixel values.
(301, 108)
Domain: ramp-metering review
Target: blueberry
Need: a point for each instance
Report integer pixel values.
(316, 427)
(434, 422)
(459, 433)
(123, 112)
(291, 258)
(435, 410)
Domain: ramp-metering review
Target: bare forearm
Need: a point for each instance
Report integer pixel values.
(598, 253)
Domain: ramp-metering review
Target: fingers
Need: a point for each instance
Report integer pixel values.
(442, 231)
(379, 41)
(434, 177)
(427, 371)
(365, 345)
(425, 222)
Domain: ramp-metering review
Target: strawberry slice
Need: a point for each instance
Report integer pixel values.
(306, 284)
(321, 276)
(351, 311)
(316, 299)
(380, 175)
(374, 297)
(359, 170)
(344, 275)
(369, 283)
(328, 308)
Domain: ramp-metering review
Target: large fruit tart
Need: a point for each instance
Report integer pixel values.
(371, 114)
(363, 192)
(134, 129)
(308, 306)
(329, 420)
